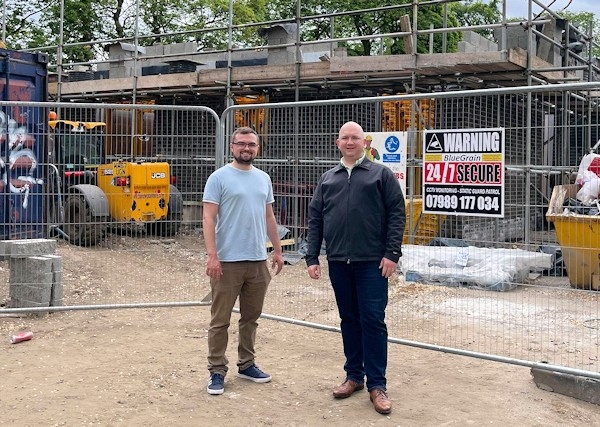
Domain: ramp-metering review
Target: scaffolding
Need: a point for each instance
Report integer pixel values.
(542, 49)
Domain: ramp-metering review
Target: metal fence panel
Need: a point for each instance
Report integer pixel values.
(535, 315)
(531, 317)
(71, 149)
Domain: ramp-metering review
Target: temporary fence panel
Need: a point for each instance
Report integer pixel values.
(476, 285)
(116, 177)
(510, 298)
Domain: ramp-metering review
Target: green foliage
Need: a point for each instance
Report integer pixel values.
(80, 24)
(476, 12)
(20, 32)
(583, 21)
(366, 23)
(36, 23)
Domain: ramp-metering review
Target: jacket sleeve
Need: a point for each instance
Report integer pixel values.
(315, 226)
(396, 216)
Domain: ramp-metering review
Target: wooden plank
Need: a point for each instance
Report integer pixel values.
(405, 27)
(270, 73)
(284, 243)
(126, 84)
(519, 56)
(353, 64)
(167, 80)
(437, 60)
(92, 86)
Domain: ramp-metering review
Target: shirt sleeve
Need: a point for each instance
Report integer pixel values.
(211, 190)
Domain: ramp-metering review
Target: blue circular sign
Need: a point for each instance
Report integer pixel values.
(392, 144)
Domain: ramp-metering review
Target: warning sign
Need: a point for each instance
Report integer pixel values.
(463, 172)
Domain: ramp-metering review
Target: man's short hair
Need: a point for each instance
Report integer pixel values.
(244, 130)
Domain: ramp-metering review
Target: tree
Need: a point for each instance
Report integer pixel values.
(376, 21)
(80, 24)
(35, 23)
(476, 12)
(175, 21)
(22, 24)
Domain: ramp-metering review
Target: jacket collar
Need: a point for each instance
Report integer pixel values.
(365, 164)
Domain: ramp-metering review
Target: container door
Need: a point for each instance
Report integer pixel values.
(23, 77)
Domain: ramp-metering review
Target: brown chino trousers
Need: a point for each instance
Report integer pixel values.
(249, 280)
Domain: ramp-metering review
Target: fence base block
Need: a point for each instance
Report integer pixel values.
(579, 387)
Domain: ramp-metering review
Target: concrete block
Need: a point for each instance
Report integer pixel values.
(155, 50)
(30, 270)
(30, 282)
(17, 271)
(466, 47)
(180, 48)
(31, 294)
(473, 42)
(25, 270)
(340, 52)
(579, 387)
(119, 72)
(31, 247)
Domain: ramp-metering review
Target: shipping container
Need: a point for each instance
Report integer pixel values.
(24, 78)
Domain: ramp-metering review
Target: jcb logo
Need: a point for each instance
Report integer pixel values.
(158, 175)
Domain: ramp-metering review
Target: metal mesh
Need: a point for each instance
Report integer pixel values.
(534, 316)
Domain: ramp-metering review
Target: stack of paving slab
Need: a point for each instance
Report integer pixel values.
(35, 272)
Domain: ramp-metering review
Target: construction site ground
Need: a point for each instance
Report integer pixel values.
(140, 367)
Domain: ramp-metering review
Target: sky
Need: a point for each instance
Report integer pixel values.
(518, 8)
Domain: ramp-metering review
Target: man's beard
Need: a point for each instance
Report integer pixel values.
(242, 161)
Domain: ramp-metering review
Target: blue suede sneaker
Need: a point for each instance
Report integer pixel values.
(216, 384)
(252, 373)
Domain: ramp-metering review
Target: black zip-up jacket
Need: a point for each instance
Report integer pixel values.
(361, 216)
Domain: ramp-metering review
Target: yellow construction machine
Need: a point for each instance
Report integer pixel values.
(91, 195)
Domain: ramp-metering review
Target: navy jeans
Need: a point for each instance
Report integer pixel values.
(361, 294)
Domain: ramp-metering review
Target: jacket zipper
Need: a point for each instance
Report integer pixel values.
(347, 210)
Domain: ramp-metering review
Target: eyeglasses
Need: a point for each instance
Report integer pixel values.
(245, 145)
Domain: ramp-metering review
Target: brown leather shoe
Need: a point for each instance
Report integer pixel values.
(381, 401)
(346, 389)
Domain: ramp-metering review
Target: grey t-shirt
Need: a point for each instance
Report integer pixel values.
(242, 196)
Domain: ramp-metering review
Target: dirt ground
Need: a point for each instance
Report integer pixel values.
(148, 366)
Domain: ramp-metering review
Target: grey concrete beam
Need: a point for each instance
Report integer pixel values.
(579, 387)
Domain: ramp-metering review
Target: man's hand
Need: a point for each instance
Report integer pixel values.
(387, 267)
(314, 271)
(213, 267)
(277, 262)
